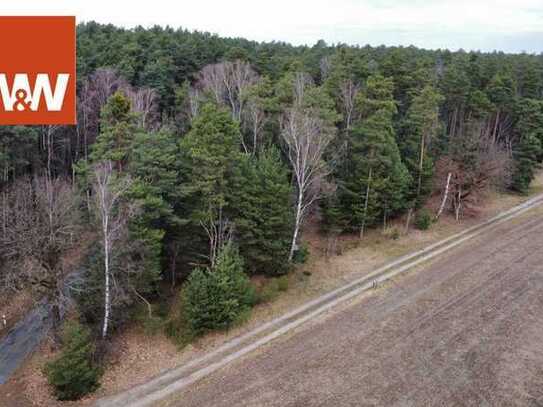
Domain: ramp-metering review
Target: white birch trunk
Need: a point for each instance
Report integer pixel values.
(296, 226)
(107, 295)
(445, 197)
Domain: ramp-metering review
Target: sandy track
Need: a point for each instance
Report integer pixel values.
(465, 331)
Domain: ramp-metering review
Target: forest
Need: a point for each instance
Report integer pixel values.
(198, 160)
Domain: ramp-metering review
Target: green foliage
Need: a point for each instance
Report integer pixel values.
(141, 256)
(501, 90)
(210, 157)
(528, 153)
(525, 157)
(314, 98)
(90, 301)
(378, 96)
(192, 172)
(210, 154)
(301, 254)
(16, 151)
(530, 120)
(373, 181)
(177, 327)
(118, 128)
(346, 64)
(271, 289)
(420, 127)
(423, 219)
(530, 81)
(73, 374)
(136, 267)
(333, 222)
(151, 317)
(154, 166)
(218, 297)
(261, 200)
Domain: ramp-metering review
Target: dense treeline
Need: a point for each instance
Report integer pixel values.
(195, 152)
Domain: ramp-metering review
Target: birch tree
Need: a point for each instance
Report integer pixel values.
(228, 82)
(144, 102)
(348, 93)
(231, 84)
(306, 138)
(113, 215)
(307, 129)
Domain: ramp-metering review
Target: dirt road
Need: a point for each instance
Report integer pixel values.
(466, 330)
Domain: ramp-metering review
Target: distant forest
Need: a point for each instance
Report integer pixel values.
(198, 159)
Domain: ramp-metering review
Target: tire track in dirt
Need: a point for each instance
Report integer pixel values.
(170, 382)
(438, 337)
(468, 303)
(445, 348)
(407, 296)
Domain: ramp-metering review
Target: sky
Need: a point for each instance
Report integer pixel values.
(487, 25)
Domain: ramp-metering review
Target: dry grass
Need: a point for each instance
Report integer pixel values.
(138, 357)
(465, 331)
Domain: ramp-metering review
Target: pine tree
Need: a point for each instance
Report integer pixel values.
(210, 155)
(154, 164)
(217, 297)
(530, 119)
(263, 216)
(118, 127)
(420, 128)
(525, 157)
(377, 185)
(373, 181)
(73, 373)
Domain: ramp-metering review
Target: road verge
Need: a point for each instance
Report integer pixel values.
(179, 378)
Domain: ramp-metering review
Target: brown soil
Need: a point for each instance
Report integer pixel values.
(13, 306)
(464, 331)
(140, 357)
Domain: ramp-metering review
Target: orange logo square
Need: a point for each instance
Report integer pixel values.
(37, 70)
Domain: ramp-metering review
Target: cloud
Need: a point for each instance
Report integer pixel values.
(509, 25)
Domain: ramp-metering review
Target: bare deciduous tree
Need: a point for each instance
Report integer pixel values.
(113, 215)
(211, 79)
(325, 64)
(228, 83)
(194, 102)
(348, 92)
(48, 144)
(477, 165)
(219, 232)
(145, 103)
(41, 223)
(306, 138)
(94, 93)
(255, 120)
